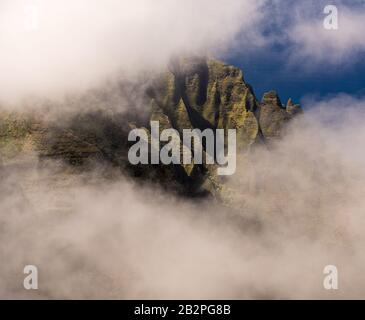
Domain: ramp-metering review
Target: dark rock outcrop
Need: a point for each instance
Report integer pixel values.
(193, 93)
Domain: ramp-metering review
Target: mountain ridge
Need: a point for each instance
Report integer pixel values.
(194, 93)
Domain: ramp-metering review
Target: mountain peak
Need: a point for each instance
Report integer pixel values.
(272, 97)
(194, 93)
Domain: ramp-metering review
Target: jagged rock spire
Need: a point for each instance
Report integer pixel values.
(272, 98)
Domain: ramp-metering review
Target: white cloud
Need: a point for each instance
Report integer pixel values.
(79, 42)
(312, 41)
(93, 238)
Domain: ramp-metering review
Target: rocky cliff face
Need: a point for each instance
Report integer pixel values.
(193, 93)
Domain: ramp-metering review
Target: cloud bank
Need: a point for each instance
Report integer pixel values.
(53, 47)
(302, 209)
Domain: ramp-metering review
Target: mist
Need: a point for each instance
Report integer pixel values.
(50, 49)
(300, 207)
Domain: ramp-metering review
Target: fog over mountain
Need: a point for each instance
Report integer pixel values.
(98, 227)
(95, 237)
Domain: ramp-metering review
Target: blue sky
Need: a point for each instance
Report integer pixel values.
(265, 72)
(298, 58)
